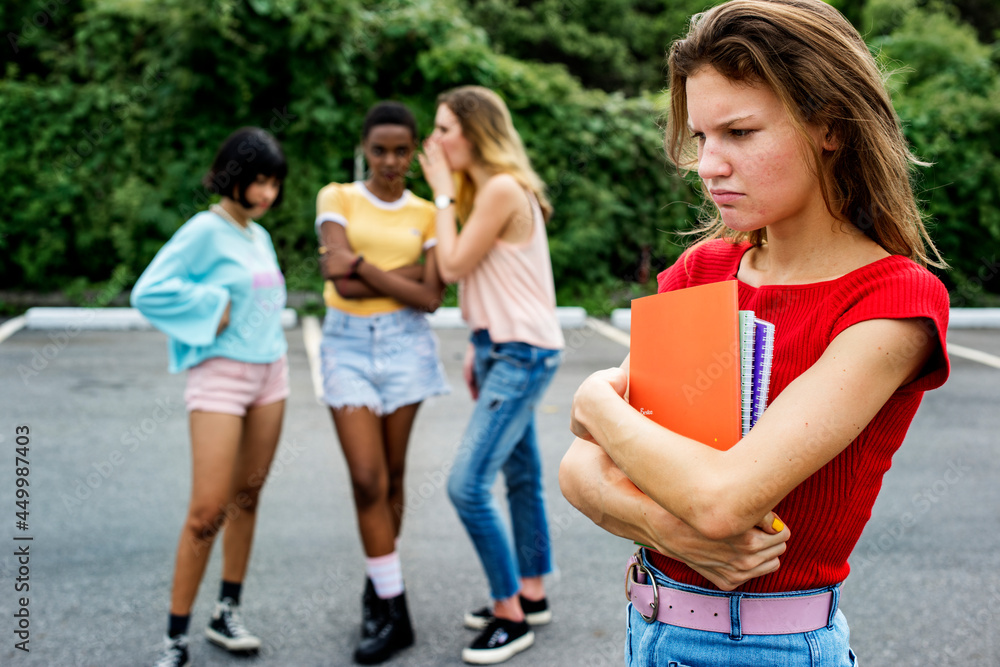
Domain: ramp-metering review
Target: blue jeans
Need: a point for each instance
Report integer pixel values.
(672, 646)
(501, 436)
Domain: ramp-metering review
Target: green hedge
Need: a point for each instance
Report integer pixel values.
(107, 155)
(947, 91)
(111, 111)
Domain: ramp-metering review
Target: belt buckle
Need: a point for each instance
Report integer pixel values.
(655, 604)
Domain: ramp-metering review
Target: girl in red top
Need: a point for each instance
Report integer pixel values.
(782, 110)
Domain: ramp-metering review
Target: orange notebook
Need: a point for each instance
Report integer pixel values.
(684, 364)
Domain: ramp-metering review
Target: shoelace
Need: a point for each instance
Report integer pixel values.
(172, 655)
(233, 623)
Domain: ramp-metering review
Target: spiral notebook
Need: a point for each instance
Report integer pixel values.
(763, 356)
(747, 336)
(694, 363)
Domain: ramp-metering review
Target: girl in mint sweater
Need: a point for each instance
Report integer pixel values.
(216, 290)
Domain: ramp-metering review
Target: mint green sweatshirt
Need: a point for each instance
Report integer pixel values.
(208, 263)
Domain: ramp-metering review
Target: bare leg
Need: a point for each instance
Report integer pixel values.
(533, 588)
(360, 434)
(262, 429)
(509, 609)
(396, 430)
(215, 441)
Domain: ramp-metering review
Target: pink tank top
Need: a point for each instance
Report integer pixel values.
(511, 292)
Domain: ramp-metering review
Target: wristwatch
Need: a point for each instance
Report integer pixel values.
(443, 201)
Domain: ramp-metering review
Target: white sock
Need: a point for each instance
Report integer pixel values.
(386, 573)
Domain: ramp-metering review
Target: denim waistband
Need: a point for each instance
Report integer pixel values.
(481, 339)
(397, 320)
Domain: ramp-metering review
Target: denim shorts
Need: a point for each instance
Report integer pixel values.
(381, 362)
(225, 385)
(663, 645)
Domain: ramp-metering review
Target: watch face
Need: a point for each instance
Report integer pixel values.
(442, 201)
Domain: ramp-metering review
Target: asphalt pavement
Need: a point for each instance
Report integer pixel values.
(108, 480)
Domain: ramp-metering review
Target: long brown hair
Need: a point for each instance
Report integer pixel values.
(814, 60)
(487, 125)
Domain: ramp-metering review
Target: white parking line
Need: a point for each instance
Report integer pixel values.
(973, 355)
(11, 327)
(312, 334)
(608, 331)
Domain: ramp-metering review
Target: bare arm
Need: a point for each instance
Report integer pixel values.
(724, 493)
(416, 286)
(224, 322)
(592, 483)
(425, 294)
(495, 206)
(355, 288)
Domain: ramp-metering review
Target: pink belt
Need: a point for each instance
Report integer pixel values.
(733, 614)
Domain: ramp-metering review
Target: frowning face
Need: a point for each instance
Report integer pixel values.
(389, 152)
(752, 159)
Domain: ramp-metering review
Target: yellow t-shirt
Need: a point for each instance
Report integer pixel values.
(388, 234)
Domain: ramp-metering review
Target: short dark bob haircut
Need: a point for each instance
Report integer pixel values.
(247, 153)
(389, 113)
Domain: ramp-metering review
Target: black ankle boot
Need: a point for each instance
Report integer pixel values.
(373, 611)
(393, 633)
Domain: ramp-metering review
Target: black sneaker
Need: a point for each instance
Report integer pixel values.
(501, 640)
(175, 652)
(536, 612)
(227, 630)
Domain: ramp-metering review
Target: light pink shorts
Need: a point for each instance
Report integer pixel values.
(229, 386)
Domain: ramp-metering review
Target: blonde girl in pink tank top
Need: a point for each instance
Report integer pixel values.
(480, 174)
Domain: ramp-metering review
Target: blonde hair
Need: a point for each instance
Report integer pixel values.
(487, 125)
(814, 60)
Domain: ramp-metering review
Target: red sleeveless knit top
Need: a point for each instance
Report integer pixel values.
(828, 511)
